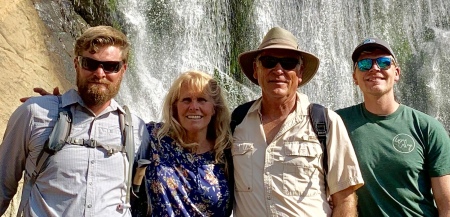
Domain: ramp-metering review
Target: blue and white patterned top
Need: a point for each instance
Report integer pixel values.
(181, 183)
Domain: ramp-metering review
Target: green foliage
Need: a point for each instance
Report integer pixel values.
(243, 38)
(112, 5)
(242, 32)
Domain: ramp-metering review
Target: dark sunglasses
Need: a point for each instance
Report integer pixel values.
(366, 64)
(92, 65)
(287, 63)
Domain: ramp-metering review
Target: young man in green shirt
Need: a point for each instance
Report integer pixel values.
(403, 153)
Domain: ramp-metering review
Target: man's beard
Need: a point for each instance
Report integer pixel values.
(96, 94)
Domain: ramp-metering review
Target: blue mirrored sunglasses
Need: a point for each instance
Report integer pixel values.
(366, 64)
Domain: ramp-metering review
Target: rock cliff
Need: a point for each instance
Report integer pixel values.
(25, 61)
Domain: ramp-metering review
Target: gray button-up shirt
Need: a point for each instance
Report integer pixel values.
(78, 181)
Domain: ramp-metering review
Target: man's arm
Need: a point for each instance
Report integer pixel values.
(13, 151)
(441, 192)
(344, 203)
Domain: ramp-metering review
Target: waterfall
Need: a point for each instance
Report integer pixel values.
(172, 36)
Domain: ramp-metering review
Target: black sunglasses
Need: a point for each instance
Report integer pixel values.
(92, 65)
(287, 63)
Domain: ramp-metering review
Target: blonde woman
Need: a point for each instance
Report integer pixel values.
(186, 172)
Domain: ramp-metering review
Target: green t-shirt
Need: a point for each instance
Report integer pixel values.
(398, 154)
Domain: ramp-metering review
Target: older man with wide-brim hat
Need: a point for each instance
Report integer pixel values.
(279, 38)
(279, 163)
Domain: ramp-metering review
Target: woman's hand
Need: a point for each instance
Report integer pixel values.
(42, 92)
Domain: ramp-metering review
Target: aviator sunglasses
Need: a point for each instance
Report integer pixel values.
(92, 65)
(366, 64)
(269, 62)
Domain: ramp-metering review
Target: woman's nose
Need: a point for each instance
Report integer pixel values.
(193, 105)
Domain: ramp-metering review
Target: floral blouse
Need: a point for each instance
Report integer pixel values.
(181, 183)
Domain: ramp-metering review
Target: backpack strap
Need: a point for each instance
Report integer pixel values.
(319, 121)
(54, 143)
(60, 135)
(126, 125)
(239, 113)
(230, 176)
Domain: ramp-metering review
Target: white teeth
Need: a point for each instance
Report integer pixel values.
(373, 79)
(194, 116)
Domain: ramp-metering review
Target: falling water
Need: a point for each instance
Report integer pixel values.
(172, 36)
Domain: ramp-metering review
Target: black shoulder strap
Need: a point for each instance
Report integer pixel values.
(239, 113)
(319, 121)
(230, 176)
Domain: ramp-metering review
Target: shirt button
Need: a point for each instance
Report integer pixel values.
(90, 183)
(92, 161)
(89, 205)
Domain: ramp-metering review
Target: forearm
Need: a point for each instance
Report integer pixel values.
(346, 209)
(443, 205)
(444, 213)
(441, 191)
(345, 203)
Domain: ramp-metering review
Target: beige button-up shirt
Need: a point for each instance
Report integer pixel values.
(285, 177)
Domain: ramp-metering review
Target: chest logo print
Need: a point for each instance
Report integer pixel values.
(403, 143)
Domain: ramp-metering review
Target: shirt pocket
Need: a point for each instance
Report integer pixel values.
(301, 176)
(109, 134)
(243, 172)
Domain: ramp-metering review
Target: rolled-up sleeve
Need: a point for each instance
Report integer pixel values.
(343, 168)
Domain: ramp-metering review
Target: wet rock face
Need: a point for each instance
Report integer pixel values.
(25, 62)
(36, 49)
(98, 12)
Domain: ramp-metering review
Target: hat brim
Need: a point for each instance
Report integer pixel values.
(310, 62)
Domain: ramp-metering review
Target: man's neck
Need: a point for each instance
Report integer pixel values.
(97, 109)
(384, 105)
(277, 108)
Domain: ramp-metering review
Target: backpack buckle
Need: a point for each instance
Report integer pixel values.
(92, 143)
(123, 206)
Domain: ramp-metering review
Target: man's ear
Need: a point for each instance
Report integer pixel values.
(75, 62)
(300, 73)
(255, 70)
(397, 73)
(354, 78)
(124, 67)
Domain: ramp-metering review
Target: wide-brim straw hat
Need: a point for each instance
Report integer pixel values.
(279, 38)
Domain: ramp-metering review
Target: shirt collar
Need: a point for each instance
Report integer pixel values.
(72, 97)
(302, 104)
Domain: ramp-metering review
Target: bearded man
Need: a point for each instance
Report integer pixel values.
(88, 175)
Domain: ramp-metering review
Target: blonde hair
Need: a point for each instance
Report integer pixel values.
(218, 128)
(97, 37)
